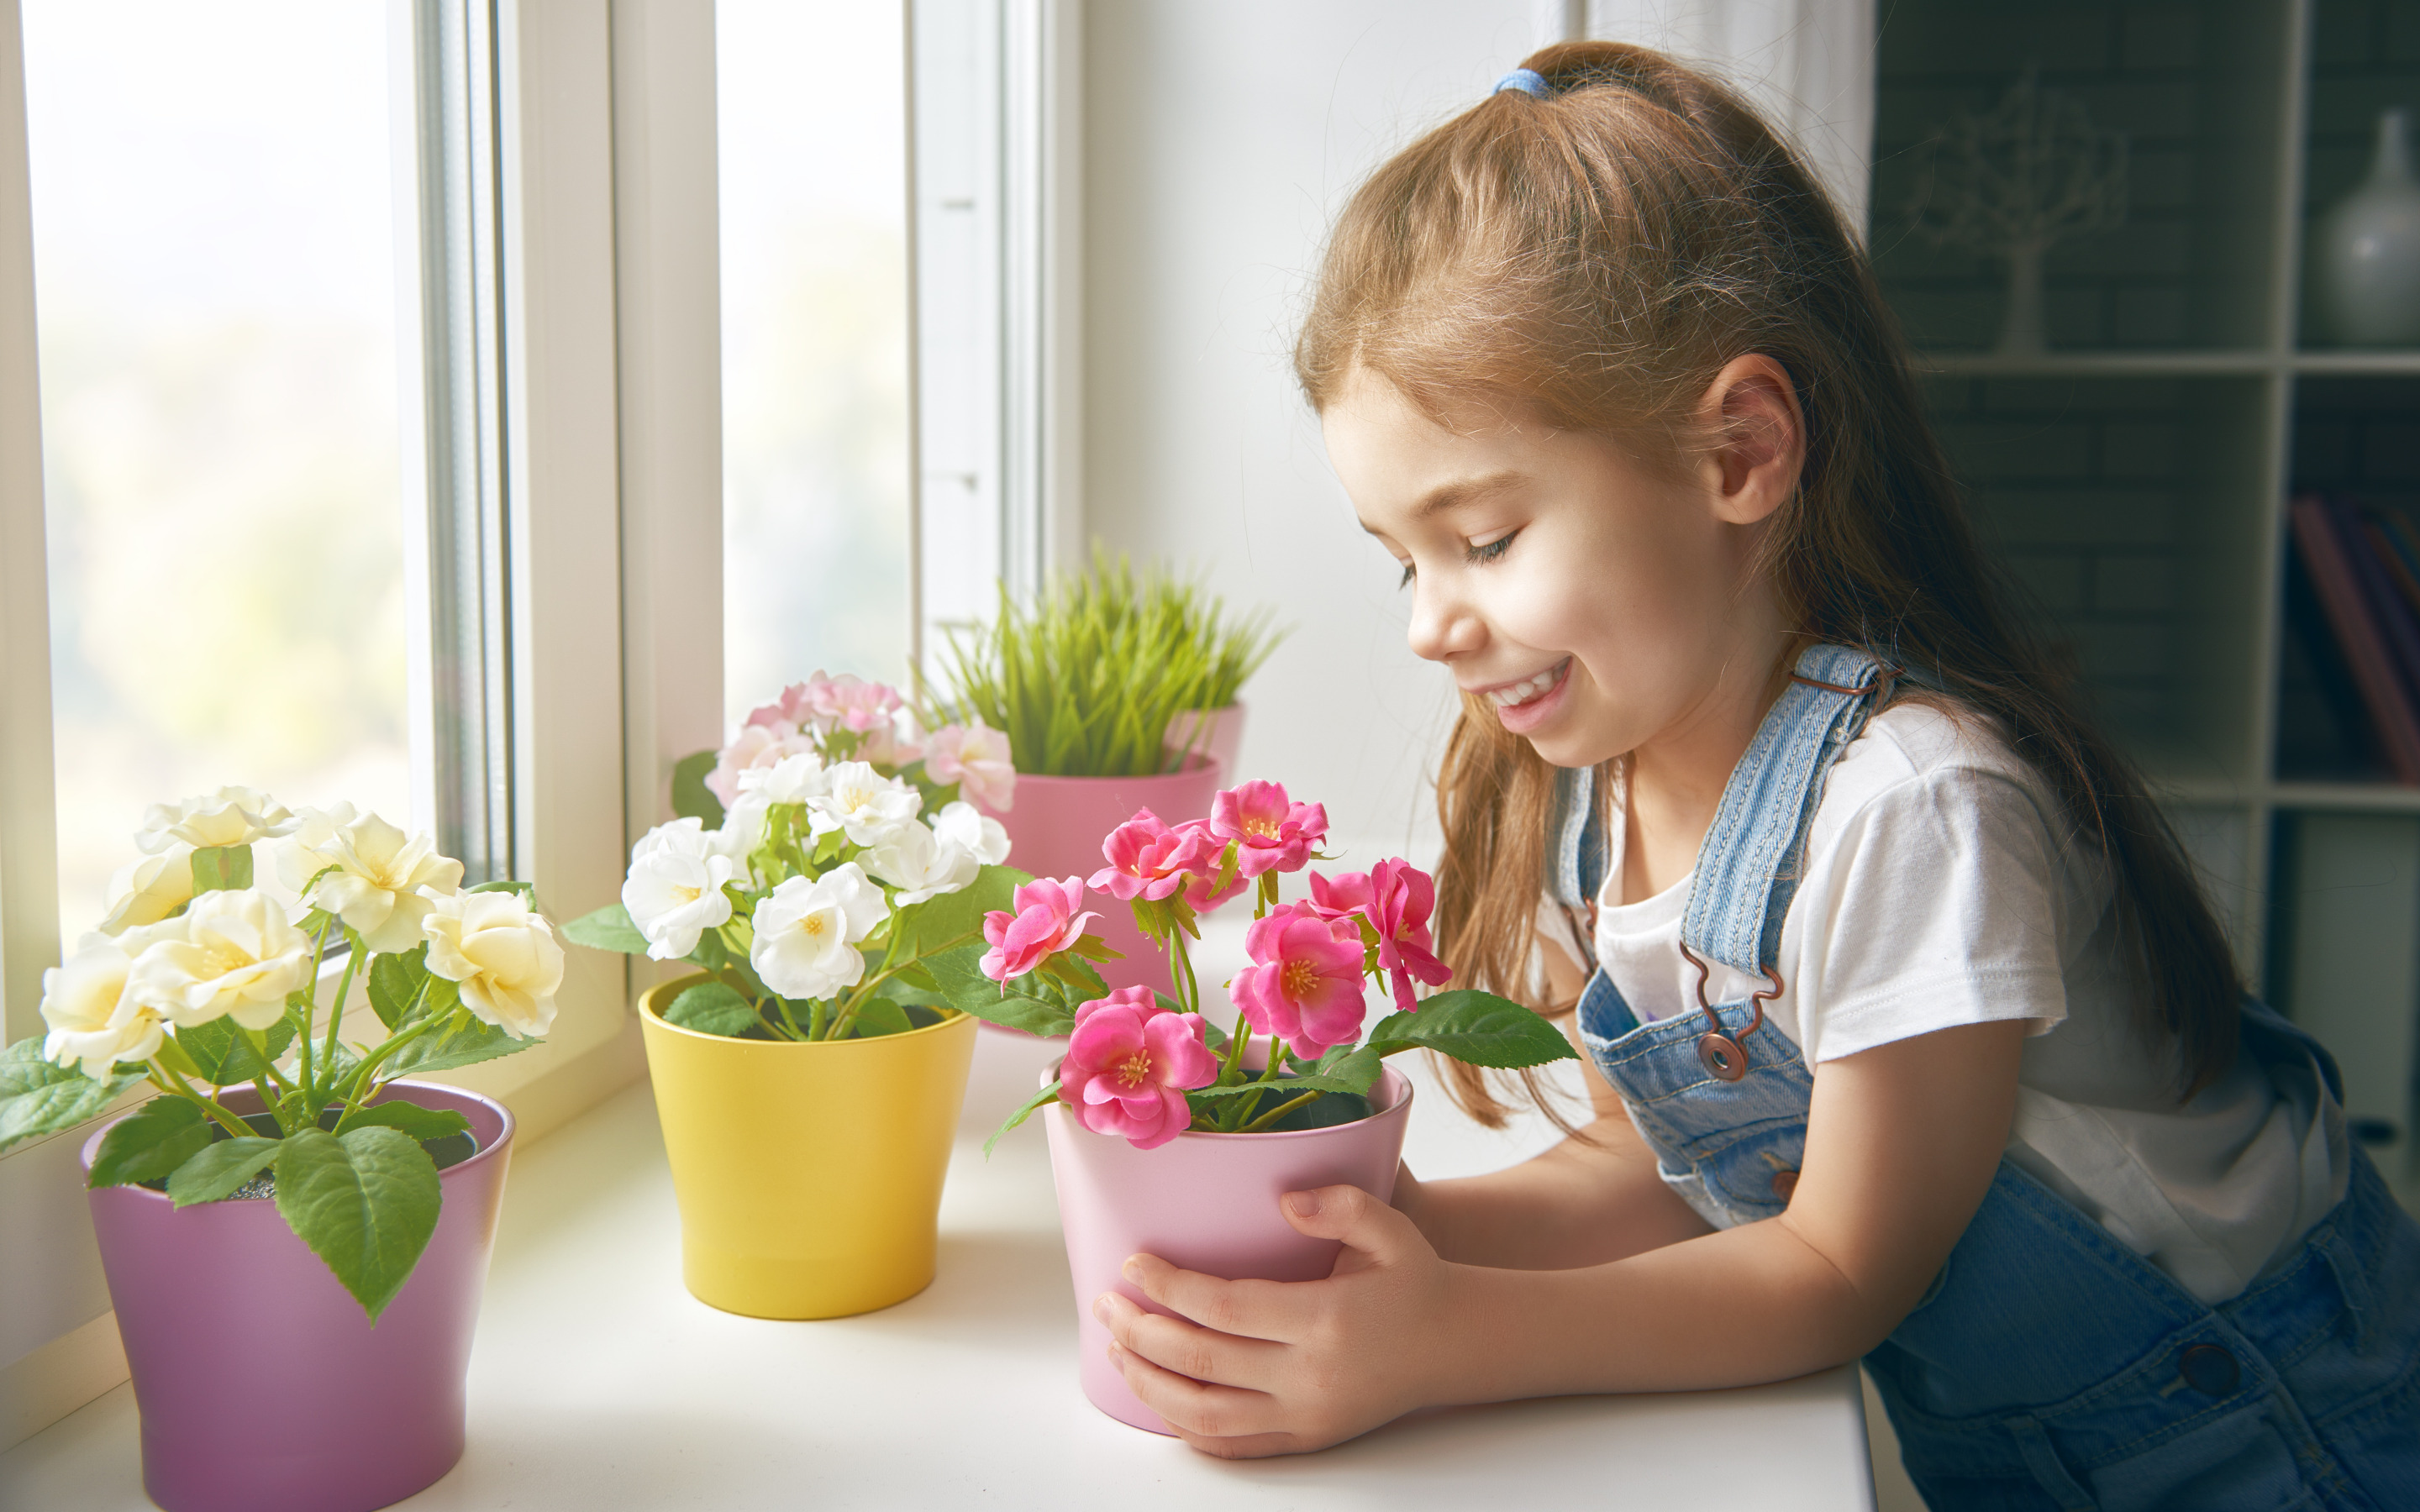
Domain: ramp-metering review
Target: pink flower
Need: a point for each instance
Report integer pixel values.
(759, 742)
(852, 702)
(1396, 896)
(790, 709)
(894, 743)
(1149, 860)
(1043, 924)
(1128, 1065)
(1270, 833)
(1202, 892)
(976, 758)
(1307, 987)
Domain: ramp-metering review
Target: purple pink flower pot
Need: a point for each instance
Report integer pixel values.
(1056, 829)
(1207, 1202)
(1223, 740)
(261, 1383)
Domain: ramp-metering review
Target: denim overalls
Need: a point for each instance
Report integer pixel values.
(2048, 1365)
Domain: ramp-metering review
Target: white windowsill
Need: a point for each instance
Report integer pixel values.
(599, 1382)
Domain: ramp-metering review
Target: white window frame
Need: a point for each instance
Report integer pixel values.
(611, 488)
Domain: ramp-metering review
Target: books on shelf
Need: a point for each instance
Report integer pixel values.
(2363, 567)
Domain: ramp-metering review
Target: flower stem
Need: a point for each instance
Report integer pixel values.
(337, 1011)
(209, 1105)
(1261, 1124)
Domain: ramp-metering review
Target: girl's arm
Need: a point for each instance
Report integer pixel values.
(1590, 1199)
(1902, 1142)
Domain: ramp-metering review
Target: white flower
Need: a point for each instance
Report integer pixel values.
(91, 1018)
(800, 779)
(922, 864)
(233, 955)
(501, 954)
(148, 890)
(976, 757)
(869, 807)
(974, 831)
(231, 816)
(742, 831)
(674, 890)
(376, 887)
(807, 932)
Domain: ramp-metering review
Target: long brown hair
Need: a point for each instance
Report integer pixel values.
(1593, 258)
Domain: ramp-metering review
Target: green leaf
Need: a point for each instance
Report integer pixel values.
(713, 1008)
(464, 1041)
(953, 916)
(970, 991)
(40, 1097)
(1033, 1105)
(223, 1054)
(221, 869)
(880, 1016)
(365, 1201)
(528, 890)
(607, 929)
(149, 1143)
(219, 1170)
(411, 1117)
(1480, 1029)
(394, 982)
(691, 797)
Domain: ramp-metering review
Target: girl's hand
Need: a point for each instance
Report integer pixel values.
(1268, 1368)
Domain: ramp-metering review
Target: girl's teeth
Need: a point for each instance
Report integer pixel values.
(1521, 692)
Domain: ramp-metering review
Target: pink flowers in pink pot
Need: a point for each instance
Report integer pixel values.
(1043, 922)
(1147, 1068)
(1129, 1064)
(1305, 986)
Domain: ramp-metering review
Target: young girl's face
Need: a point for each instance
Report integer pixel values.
(1599, 606)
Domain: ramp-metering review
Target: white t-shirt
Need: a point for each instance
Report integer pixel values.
(1939, 890)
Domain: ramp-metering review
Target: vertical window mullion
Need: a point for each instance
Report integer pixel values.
(464, 425)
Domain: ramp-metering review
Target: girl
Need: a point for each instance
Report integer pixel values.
(1912, 1037)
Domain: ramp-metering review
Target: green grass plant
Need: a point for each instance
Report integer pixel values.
(1086, 680)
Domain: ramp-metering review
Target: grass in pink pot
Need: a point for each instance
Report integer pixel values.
(1148, 1068)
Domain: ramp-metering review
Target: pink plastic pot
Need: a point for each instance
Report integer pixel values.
(1056, 829)
(261, 1383)
(1207, 1202)
(1224, 740)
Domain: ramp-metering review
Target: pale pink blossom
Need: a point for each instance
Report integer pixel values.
(976, 757)
(791, 709)
(1270, 833)
(756, 745)
(1042, 922)
(1149, 860)
(1306, 985)
(1396, 896)
(894, 743)
(1129, 1064)
(851, 702)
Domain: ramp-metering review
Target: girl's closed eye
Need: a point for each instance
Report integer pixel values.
(1488, 551)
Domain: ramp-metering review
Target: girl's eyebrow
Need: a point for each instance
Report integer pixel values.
(1464, 491)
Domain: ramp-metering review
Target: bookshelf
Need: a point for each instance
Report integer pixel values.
(2136, 477)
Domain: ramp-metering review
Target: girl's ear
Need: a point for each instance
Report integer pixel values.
(1751, 408)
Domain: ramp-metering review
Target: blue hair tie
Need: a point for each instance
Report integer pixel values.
(1528, 81)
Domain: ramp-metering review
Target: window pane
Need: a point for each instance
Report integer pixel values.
(215, 281)
(812, 153)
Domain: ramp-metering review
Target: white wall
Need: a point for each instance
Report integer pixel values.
(1219, 140)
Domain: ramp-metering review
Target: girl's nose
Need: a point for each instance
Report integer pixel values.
(1442, 624)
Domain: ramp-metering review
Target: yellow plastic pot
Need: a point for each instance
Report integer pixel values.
(809, 1176)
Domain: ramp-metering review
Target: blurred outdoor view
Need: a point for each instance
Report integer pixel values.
(813, 150)
(216, 297)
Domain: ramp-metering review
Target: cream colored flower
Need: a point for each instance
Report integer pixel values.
(501, 954)
(867, 806)
(92, 1021)
(383, 879)
(148, 890)
(231, 816)
(235, 956)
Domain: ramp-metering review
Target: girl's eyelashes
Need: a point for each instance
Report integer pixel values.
(1475, 552)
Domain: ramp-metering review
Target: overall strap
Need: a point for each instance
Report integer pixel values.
(1750, 867)
(1578, 835)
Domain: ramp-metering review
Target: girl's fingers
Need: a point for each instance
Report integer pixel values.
(1279, 1311)
(1196, 1409)
(1187, 1349)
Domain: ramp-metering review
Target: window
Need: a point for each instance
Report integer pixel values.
(216, 287)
